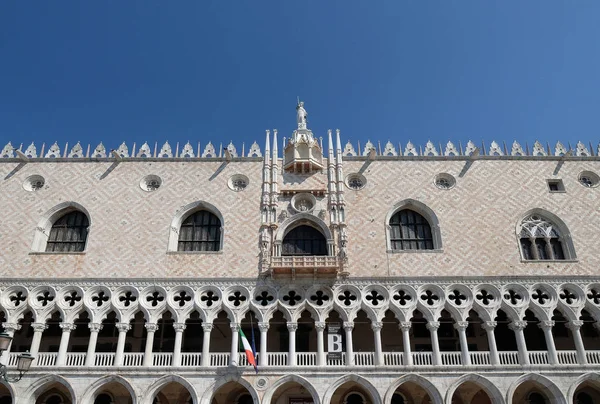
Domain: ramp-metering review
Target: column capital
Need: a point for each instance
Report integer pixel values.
(546, 324)
(348, 325)
(39, 327)
(207, 327)
(461, 325)
(123, 327)
(263, 327)
(489, 325)
(292, 327)
(376, 325)
(320, 326)
(67, 327)
(11, 327)
(151, 327)
(433, 325)
(95, 327)
(179, 327)
(405, 325)
(235, 327)
(518, 325)
(574, 324)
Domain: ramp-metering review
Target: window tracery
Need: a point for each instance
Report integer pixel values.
(540, 239)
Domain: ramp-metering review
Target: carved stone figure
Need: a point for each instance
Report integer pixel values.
(301, 114)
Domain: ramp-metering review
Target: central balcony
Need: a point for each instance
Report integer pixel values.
(305, 266)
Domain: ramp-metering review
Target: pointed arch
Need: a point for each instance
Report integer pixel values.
(303, 219)
(10, 389)
(214, 387)
(533, 230)
(44, 225)
(94, 388)
(422, 210)
(39, 386)
(555, 395)
(434, 393)
(183, 213)
(587, 377)
(367, 385)
(155, 387)
(490, 388)
(292, 379)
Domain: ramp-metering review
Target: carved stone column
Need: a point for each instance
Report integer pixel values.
(64, 342)
(575, 327)
(461, 327)
(518, 327)
(292, 327)
(122, 328)
(233, 356)
(90, 357)
(320, 327)
(546, 326)
(489, 327)
(433, 326)
(348, 327)
(179, 328)
(38, 329)
(207, 328)
(405, 327)
(263, 359)
(151, 328)
(376, 327)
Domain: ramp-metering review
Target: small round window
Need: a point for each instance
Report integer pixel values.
(238, 182)
(588, 179)
(444, 181)
(34, 183)
(150, 183)
(356, 181)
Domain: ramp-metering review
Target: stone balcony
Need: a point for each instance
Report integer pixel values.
(305, 266)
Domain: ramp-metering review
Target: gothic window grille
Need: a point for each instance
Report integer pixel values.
(540, 239)
(200, 231)
(69, 233)
(304, 240)
(410, 231)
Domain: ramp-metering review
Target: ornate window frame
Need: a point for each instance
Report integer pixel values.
(424, 211)
(182, 214)
(44, 226)
(564, 235)
(301, 219)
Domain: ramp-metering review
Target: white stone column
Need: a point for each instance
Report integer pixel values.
(405, 327)
(122, 328)
(575, 326)
(489, 327)
(320, 327)
(348, 327)
(461, 327)
(207, 328)
(263, 359)
(151, 328)
(546, 326)
(38, 329)
(376, 326)
(179, 328)
(64, 342)
(518, 327)
(433, 326)
(10, 329)
(292, 327)
(90, 357)
(235, 348)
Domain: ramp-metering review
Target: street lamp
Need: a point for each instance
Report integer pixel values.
(22, 365)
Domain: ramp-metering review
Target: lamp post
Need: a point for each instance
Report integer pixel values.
(22, 365)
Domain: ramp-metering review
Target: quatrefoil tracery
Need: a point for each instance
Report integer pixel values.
(347, 297)
(594, 296)
(568, 296)
(292, 298)
(429, 297)
(72, 298)
(264, 298)
(402, 297)
(485, 297)
(127, 298)
(155, 298)
(374, 297)
(513, 297)
(540, 296)
(182, 298)
(18, 297)
(237, 298)
(457, 297)
(209, 298)
(100, 298)
(319, 298)
(45, 298)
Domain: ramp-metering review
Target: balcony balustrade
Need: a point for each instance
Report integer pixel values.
(309, 359)
(305, 265)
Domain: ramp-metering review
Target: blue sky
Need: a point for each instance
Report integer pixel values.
(227, 70)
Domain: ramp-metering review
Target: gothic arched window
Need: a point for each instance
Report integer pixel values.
(536, 398)
(68, 233)
(409, 230)
(304, 240)
(540, 239)
(200, 231)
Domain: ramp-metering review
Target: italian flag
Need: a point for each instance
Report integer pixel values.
(250, 354)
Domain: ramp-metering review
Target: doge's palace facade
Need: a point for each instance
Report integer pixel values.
(366, 274)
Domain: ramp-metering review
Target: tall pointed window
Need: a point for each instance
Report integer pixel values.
(304, 240)
(200, 231)
(540, 239)
(410, 231)
(68, 233)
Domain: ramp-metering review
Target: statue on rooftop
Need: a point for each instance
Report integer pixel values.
(301, 115)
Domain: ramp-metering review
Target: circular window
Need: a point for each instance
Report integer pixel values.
(303, 202)
(238, 182)
(356, 181)
(444, 181)
(34, 183)
(150, 183)
(588, 179)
